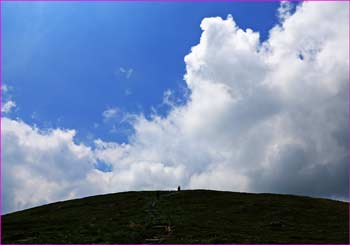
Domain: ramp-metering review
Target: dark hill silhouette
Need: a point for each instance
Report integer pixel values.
(187, 216)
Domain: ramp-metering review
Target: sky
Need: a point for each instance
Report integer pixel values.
(93, 57)
(116, 96)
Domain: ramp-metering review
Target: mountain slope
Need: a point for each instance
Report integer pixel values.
(192, 216)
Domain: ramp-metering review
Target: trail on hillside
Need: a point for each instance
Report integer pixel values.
(158, 222)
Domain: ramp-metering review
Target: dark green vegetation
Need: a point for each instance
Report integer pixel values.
(197, 216)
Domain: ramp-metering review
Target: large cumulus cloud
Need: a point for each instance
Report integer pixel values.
(260, 117)
(40, 166)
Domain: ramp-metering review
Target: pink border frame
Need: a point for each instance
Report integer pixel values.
(172, 1)
(167, 1)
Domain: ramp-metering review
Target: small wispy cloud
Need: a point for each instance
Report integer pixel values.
(126, 71)
(110, 114)
(114, 129)
(8, 106)
(284, 11)
(128, 92)
(4, 88)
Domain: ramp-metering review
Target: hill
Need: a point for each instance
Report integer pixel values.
(191, 216)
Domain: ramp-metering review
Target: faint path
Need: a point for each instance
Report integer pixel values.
(158, 224)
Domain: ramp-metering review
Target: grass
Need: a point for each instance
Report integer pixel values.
(192, 216)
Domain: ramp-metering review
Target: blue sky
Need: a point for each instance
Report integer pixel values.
(69, 62)
(114, 96)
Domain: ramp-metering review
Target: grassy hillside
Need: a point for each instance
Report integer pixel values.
(193, 216)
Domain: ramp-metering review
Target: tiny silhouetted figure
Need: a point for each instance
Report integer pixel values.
(157, 195)
(178, 188)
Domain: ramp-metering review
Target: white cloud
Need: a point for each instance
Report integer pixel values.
(127, 72)
(128, 92)
(41, 167)
(261, 117)
(8, 106)
(4, 88)
(284, 11)
(110, 114)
